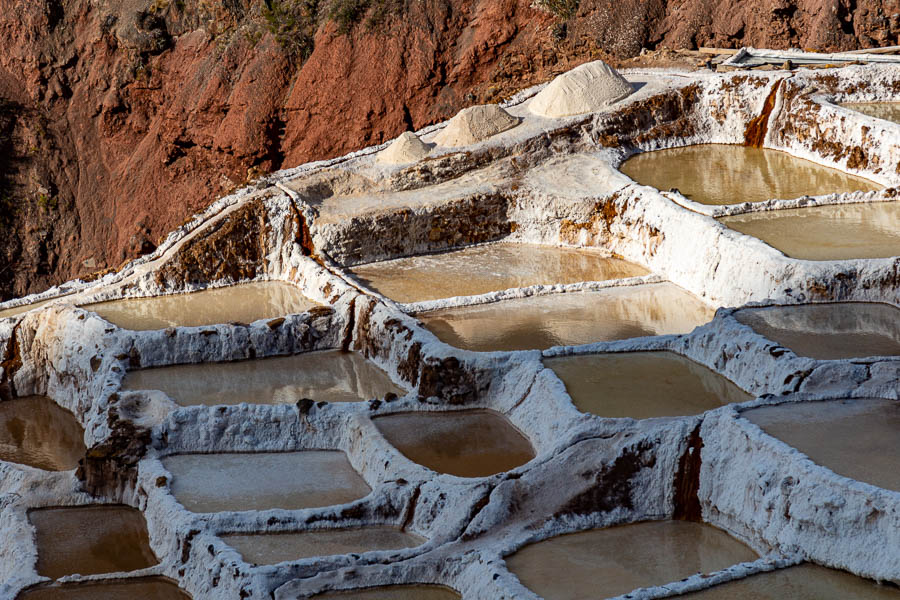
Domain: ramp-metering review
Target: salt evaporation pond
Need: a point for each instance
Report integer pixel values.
(18, 310)
(859, 439)
(570, 319)
(803, 582)
(489, 268)
(243, 303)
(603, 563)
(836, 232)
(471, 443)
(330, 376)
(144, 588)
(206, 483)
(727, 174)
(829, 331)
(394, 592)
(642, 385)
(273, 548)
(889, 111)
(89, 540)
(36, 431)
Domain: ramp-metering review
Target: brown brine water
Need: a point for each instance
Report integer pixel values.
(36, 431)
(642, 385)
(243, 303)
(394, 592)
(258, 481)
(603, 563)
(140, 588)
(569, 319)
(330, 376)
(889, 111)
(489, 268)
(837, 232)
(18, 310)
(471, 443)
(859, 439)
(728, 174)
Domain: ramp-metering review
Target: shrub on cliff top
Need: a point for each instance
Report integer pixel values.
(294, 24)
(563, 9)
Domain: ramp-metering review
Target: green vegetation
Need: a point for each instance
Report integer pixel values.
(294, 24)
(563, 9)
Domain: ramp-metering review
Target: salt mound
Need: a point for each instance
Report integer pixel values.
(474, 124)
(588, 88)
(407, 148)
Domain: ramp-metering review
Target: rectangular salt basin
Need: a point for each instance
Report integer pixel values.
(242, 303)
(394, 592)
(36, 431)
(205, 483)
(273, 548)
(570, 319)
(483, 269)
(642, 385)
(859, 439)
(18, 310)
(140, 588)
(330, 376)
(719, 174)
(838, 232)
(602, 563)
(889, 111)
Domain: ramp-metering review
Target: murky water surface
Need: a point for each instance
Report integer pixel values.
(472, 443)
(332, 376)
(826, 232)
(602, 563)
(12, 312)
(726, 174)
(889, 111)
(90, 540)
(570, 319)
(273, 548)
(829, 331)
(483, 269)
(859, 439)
(641, 385)
(394, 592)
(243, 303)
(142, 588)
(36, 431)
(803, 582)
(263, 480)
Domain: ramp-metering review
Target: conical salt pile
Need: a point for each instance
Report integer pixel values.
(588, 88)
(407, 148)
(474, 124)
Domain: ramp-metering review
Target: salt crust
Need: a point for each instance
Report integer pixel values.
(588, 88)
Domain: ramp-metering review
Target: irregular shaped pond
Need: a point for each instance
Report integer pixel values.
(243, 303)
(836, 232)
(332, 376)
(144, 588)
(570, 319)
(727, 174)
(273, 548)
(38, 432)
(395, 592)
(889, 111)
(641, 385)
(829, 331)
(263, 480)
(603, 563)
(483, 269)
(90, 539)
(859, 439)
(471, 443)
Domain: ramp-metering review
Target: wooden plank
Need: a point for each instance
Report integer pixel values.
(717, 50)
(885, 50)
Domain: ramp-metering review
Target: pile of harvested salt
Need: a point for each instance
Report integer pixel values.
(474, 124)
(407, 148)
(588, 88)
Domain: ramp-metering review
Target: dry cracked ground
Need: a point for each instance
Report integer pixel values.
(642, 352)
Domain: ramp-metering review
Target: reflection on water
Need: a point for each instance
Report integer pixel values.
(394, 592)
(837, 232)
(18, 310)
(330, 376)
(859, 439)
(38, 432)
(143, 588)
(726, 174)
(483, 269)
(602, 563)
(243, 303)
(570, 319)
(829, 331)
(642, 385)
(889, 111)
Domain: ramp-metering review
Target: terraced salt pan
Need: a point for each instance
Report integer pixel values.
(36, 431)
(829, 331)
(729, 174)
(494, 267)
(569, 319)
(472, 443)
(242, 303)
(859, 439)
(836, 232)
(206, 483)
(330, 376)
(803, 582)
(394, 592)
(603, 563)
(273, 548)
(144, 588)
(889, 111)
(642, 385)
(24, 308)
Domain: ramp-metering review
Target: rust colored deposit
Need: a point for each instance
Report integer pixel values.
(755, 134)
